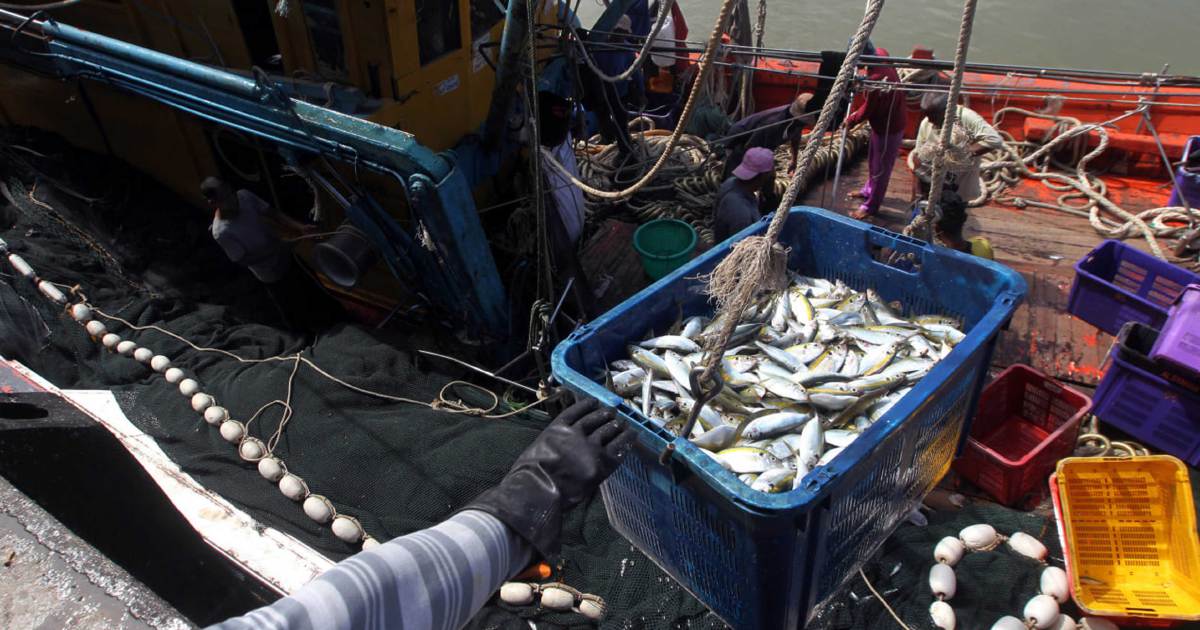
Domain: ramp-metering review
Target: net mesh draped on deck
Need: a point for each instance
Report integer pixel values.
(397, 468)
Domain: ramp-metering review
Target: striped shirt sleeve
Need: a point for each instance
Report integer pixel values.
(433, 579)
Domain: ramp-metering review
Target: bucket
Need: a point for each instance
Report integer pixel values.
(664, 245)
(345, 256)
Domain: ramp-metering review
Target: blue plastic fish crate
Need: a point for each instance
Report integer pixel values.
(768, 560)
(1116, 283)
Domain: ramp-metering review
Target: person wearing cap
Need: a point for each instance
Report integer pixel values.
(738, 197)
(768, 129)
(883, 108)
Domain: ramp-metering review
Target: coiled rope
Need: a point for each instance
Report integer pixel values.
(705, 65)
(1003, 172)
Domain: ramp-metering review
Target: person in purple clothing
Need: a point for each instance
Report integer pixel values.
(883, 109)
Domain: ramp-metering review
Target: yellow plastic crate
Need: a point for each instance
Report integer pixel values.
(1130, 537)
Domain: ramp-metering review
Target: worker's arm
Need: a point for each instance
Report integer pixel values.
(860, 112)
(286, 226)
(439, 577)
(434, 578)
(984, 137)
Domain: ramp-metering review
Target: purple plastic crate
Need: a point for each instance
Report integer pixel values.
(1116, 283)
(1144, 403)
(1178, 344)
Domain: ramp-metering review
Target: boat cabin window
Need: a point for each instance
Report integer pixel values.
(321, 17)
(484, 15)
(438, 30)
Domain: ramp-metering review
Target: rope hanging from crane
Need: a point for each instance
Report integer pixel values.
(757, 263)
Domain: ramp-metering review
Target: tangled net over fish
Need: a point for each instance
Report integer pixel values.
(686, 188)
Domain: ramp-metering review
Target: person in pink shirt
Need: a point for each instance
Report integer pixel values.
(883, 109)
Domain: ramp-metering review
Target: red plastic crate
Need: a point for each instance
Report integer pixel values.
(1026, 422)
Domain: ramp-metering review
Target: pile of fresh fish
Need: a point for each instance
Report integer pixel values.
(807, 370)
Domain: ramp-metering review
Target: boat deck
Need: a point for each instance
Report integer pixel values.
(1043, 245)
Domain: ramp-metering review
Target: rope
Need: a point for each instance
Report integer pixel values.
(757, 263)
(938, 179)
(705, 65)
(883, 601)
(642, 55)
(1003, 172)
(440, 403)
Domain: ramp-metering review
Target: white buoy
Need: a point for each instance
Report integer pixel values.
(1027, 546)
(949, 551)
(1042, 610)
(318, 508)
(189, 387)
(201, 402)
(173, 375)
(51, 292)
(252, 449)
(981, 537)
(110, 340)
(555, 598)
(271, 468)
(369, 543)
(21, 266)
(143, 355)
(592, 607)
(126, 348)
(1065, 622)
(159, 363)
(515, 593)
(233, 431)
(942, 614)
(1054, 583)
(81, 312)
(95, 328)
(293, 487)
(1008, 622)
(215, 415)
(942, 582)
(347, 528)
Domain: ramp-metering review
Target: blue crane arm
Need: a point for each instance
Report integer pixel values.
(469, 288)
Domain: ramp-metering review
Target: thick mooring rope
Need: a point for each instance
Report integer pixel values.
(938, 178)
(757, 263)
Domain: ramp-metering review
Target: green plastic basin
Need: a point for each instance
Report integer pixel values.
(664, 245)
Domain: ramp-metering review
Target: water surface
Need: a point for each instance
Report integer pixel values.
(1127, 35)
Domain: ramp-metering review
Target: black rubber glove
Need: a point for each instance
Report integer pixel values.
(563, 466)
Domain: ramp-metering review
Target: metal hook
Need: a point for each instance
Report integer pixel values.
(705, 386)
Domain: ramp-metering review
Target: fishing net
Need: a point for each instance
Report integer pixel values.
(397, 468)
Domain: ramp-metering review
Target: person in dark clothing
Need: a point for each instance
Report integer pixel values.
(565, 214)
(948, 229)
(769, 129)
(737, 199)
(605, 99)
(249, 231)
